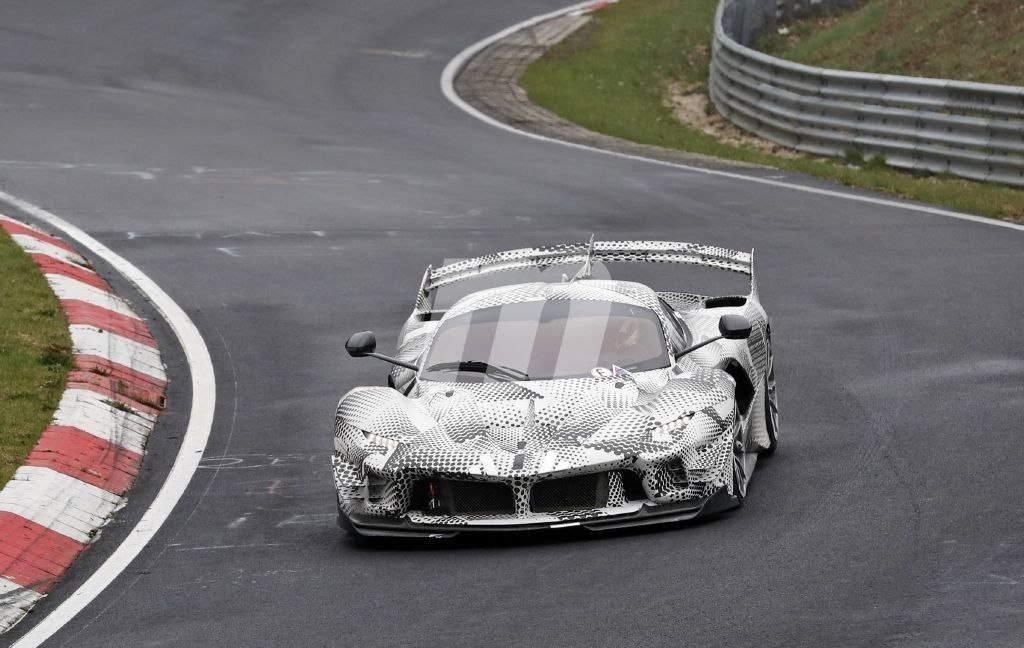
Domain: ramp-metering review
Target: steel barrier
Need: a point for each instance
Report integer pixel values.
(973, 130)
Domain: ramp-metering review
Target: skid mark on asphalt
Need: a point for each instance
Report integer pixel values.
(409, 54)
(143, 173)
(318, 177)
(242, 577)
(298, 488)
(230, 176)
(230, 235)
(993, 579)
(316, 233)
(222, 547)
(318, 519)
(137, 235)
(277, 251)
(250, 461)
(248, 233)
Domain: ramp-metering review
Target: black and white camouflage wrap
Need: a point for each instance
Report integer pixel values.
(685, 431)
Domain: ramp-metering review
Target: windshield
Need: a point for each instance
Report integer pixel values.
(543, 340)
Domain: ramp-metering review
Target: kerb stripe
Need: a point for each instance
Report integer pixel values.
(32, 555)
(84, 456)
(81, 312)
(50, 266)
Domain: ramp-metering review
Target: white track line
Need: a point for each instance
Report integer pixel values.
(463, 57)
(194, 443)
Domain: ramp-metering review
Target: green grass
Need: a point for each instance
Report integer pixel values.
(970, 40)
(611, 77)
(35, 355)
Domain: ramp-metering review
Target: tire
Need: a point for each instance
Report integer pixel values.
(740, 497)
(738, 450)
(771, 409)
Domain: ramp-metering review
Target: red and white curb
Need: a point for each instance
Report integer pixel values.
(78, 473)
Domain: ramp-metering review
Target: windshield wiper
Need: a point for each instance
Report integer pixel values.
(479, 366)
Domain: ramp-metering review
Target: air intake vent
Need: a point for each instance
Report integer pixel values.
(676, 473)
(460, 497)
(581, 492)
(633, 486)
(724, 302)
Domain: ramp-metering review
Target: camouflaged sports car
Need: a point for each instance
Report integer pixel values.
(565, 401)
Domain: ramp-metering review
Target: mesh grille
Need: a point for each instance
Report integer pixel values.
(570, 493)
(456, 497)
(481, 497)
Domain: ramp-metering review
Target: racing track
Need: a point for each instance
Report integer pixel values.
(286, 170)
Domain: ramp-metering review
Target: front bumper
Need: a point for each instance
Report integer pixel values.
(648, 514)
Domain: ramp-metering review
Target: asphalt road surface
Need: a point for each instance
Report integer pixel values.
(286, 170)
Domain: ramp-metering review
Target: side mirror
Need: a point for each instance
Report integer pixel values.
(734, 327)
(364, 344)
(731, 327)
(361, 344)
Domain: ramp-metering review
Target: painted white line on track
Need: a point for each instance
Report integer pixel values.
(462, 58)
(192, 446)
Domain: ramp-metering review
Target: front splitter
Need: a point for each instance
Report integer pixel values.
(649, 514)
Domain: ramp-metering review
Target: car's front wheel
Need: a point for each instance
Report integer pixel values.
(771, 408)
(739, 474)
(737, 491)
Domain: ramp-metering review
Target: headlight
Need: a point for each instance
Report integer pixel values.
(665, 431)
(384, 442)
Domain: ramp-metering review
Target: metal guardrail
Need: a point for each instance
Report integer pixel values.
(973, 130)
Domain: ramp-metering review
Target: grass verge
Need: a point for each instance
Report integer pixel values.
(35, 355)
(970, 40)
(611, 77)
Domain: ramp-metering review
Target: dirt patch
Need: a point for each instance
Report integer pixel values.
(691, 106)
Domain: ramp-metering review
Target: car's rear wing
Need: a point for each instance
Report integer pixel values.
(579, 254)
